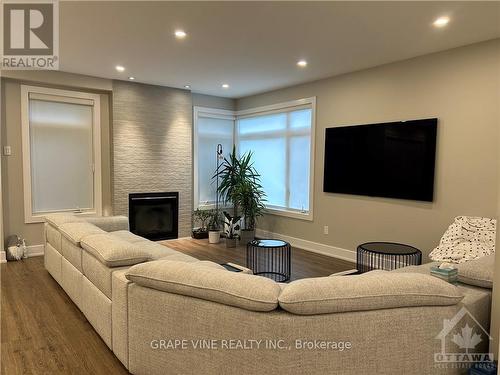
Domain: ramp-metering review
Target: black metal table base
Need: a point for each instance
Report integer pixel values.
(270, 258)
(386, 256)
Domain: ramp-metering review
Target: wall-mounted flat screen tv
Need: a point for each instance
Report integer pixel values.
(392, 160)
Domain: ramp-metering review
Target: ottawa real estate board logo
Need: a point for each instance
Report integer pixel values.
(30, 35)
(463, 341)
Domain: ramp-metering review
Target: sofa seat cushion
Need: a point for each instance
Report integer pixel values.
(74, 232)
(59, 219)
(109, 223)
(477, 272)
(127, 236)
(370, 291)
(198, 280)
(157, 251)
(180, 257)
(112, 251)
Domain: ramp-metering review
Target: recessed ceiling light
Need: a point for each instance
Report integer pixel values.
(441, 21)
(225, 86)
(131, 78)
(120, 68)
(302, 63)
(187, 86)
(180, 34)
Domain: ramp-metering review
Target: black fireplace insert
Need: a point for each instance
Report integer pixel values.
(154, 216)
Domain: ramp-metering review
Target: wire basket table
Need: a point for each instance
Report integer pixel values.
(386, 256)
(270, 258)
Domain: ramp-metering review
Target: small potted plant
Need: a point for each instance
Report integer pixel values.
(214, 227)
(240, 186)
(233, 226)
(251, 198)
(200, 217)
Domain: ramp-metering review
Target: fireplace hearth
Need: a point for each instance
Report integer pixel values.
(154, 216)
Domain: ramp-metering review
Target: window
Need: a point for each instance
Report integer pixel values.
(281, 139)
(211, 127)
(61, 152)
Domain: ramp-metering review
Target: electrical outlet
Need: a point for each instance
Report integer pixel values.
(7, 151)
(325, 229)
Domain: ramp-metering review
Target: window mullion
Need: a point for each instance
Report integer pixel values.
(287, 161)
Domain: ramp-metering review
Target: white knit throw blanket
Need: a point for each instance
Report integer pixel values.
(468, 238)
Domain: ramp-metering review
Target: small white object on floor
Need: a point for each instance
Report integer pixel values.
(16, 252)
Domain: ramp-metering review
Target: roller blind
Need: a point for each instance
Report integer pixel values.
(61, 154)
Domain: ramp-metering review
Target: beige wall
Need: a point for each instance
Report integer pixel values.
(12, 171)
(460, 87)
(209, 101)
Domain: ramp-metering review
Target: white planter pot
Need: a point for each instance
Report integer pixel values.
(214, 236)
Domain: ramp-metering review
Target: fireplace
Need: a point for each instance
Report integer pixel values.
(154, 216)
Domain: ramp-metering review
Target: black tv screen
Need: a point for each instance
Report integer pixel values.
(393, 159)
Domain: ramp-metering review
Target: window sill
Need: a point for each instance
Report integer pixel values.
(308, 216)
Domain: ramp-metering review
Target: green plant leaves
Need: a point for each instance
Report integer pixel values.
(240, 185)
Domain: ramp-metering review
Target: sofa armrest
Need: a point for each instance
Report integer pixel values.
(109, 223)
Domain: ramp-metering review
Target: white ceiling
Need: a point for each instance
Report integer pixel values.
(254, 46)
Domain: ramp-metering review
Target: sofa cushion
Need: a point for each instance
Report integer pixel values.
(59, 219)
(98, 273)
(180, 257)
(112, 251)
(109, 223)
(249, 292)
(53, 236)
(127, 236)
(157, 251)
(74, 232)
(477, 272)
(370, 291)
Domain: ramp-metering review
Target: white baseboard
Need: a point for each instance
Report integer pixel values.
(314, 247)
(35, 251)
(31, 251)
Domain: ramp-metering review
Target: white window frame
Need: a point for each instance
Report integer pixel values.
(282, 107)
(213, 113)
(62, 96)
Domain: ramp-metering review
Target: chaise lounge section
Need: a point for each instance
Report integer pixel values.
(88, 258)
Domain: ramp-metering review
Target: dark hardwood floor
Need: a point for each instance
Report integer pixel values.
(304, 263)
(43, 332)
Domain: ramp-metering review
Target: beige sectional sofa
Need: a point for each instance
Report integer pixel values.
(88, 258)
(154, 307)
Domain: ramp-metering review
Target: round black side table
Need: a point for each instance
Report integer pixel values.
(270, 258)
(386, 256)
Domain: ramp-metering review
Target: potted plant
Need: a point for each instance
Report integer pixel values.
(251, 198)
(240, 185)
(201, 218)
(214, 227)
(232, 228)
